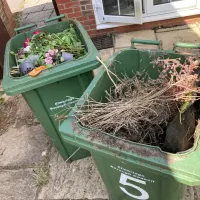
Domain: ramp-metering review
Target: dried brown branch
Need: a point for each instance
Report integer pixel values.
(139, 109)
(134, 110)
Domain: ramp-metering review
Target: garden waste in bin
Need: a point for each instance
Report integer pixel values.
(131, 170)
(46, 93)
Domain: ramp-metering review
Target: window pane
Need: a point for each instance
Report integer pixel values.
(111, 7)
(119, 7)
(127, 7)
(158, 2)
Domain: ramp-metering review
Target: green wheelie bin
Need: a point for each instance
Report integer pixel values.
(46, 93)
(131, 170)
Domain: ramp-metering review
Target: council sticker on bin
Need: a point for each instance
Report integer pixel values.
(128, 178)
(66, 103)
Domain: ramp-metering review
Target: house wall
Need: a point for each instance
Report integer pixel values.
(7, 17)
(82, 11)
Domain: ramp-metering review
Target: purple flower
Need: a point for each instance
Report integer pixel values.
(20, 52)
(47, 55)
(49, 60)
(51, 52)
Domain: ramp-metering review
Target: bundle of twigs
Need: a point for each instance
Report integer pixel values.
(137, 109)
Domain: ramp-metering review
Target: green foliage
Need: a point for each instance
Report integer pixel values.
(1, 98)
(67, 40)
(39, 44)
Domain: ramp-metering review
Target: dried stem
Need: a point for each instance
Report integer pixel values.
(109, 72)
(135, 110)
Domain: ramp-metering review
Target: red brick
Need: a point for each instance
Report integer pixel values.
(89, 22)
(7, 17)
(84, 2)
(77, 9)
(92, 17)
(87, 27)
(74, 15)
(89, 7)
(69, 10)
(62, 1)
(93, 26)
(92, 32)
(83, 8)
(72, 4)
(87, 12)
(82, 18)
(60, 6)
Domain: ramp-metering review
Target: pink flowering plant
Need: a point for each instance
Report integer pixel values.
(50, 49)
(182, 79)
(50, 56)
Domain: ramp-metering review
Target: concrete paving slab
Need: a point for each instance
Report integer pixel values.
(17, 185)
(22, 147)
(81, 180)
(190, 35)
(48, 6)
(192, 193)
(177, 28)
(15, 113)
(105, 54)
(23, 17)
(118, 49)
(37, 17)
(39, 24)
(53, 14)
(42, 1)
(77, 180)
(15, 5)
(33, 9)
(124, 40)
(30, 3)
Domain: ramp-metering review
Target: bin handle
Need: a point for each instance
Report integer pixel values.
(17, 30)
(186, 45)
(151, 42)
(55, 18)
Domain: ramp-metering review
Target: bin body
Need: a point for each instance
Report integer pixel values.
(49, 100)
(131, 170)
(126, 180)
(46, 93)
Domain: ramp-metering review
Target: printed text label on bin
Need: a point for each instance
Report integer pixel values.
(123, 180)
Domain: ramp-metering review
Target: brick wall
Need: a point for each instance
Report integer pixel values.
(7, 17)
(82, 11)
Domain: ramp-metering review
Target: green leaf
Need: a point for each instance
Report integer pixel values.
(12, 53)
(1, 92)
(1, 100)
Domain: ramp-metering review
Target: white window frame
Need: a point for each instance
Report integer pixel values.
(170, 7)
(147, 17)
(103, 18)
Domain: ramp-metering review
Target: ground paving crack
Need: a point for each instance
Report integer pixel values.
(18, 167)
